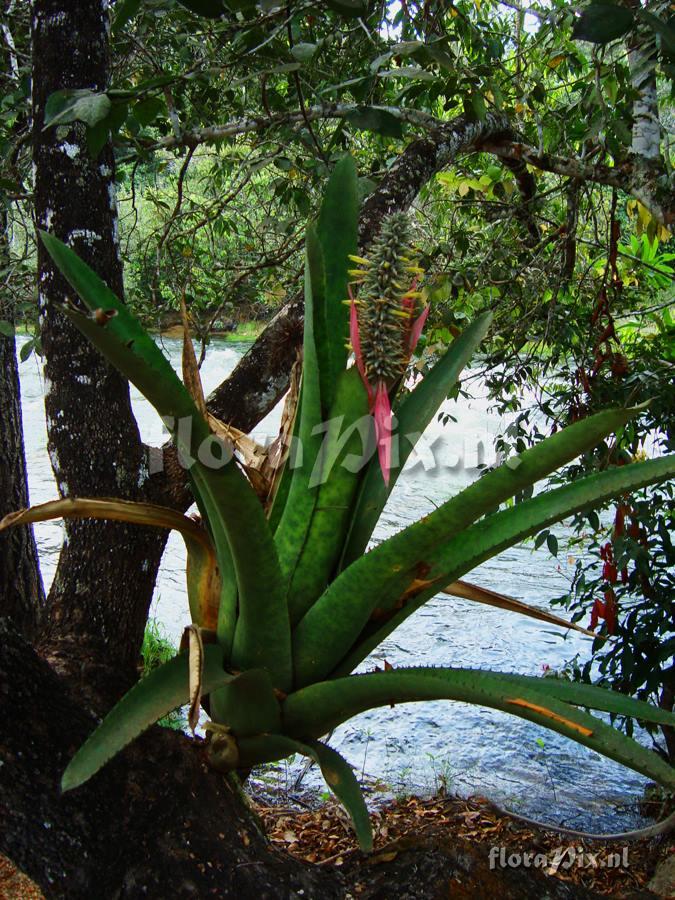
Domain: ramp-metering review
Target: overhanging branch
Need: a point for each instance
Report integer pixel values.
(637, 181)
(261, 377)
(248, 124)
(446, 139)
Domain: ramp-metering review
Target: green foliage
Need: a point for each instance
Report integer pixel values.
(294, 620)
(83, 105)
(230, 247)
(628, 549)
(156, 650)
(221, 227)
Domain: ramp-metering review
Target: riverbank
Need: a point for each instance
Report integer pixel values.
(474, 851)
(422, 746)
(243, 332)
(496, 844)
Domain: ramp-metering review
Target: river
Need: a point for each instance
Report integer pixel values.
(419, 747)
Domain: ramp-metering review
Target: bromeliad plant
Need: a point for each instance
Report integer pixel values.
(285, 601)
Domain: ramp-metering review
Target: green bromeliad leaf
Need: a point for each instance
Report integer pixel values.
(331, 627)
(337, 772)
(247, 704)
(320, 707)
(247, 558)
(327, 248)
(154, 696)
(337, 231)
(295, 521)
(340, 778)
(317, 709)
(338, 471)
(119, 336)
(453, 559)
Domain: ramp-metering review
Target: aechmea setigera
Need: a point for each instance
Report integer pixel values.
(383, 326)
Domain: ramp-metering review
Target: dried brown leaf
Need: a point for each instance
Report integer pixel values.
(191, 376)
(196, 670)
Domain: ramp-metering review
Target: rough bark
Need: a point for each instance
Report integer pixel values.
(667, 701)
(572, 192)
(642, 57)
(157, 823)
(21, 592)
(640, 181)
(524, 212)
(98, 604)
(154, 823)
(261, 377)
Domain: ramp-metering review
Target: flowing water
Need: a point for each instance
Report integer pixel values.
(419, 747)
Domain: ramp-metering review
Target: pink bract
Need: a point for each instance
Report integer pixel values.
(382, 415)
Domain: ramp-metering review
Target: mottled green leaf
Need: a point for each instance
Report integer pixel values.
(70, 105)
(321, 707)
(332, 625)
(337, 231)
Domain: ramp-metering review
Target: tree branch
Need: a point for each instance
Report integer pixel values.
(640, 182)
(635, 180)
(261, 377)
(248, 124)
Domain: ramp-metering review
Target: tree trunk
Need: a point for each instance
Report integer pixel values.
(642, 59)
(21, 592)
(667, 701)
(157, 823)
(98, 604)
(154, 823)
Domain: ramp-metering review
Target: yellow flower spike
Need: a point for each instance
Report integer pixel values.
(362, 261)
(415, 270)
(357, 273)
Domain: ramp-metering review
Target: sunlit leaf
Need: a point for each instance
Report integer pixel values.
(73, 105)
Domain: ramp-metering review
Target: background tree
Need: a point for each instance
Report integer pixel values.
(21, 592)
(97, 606)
